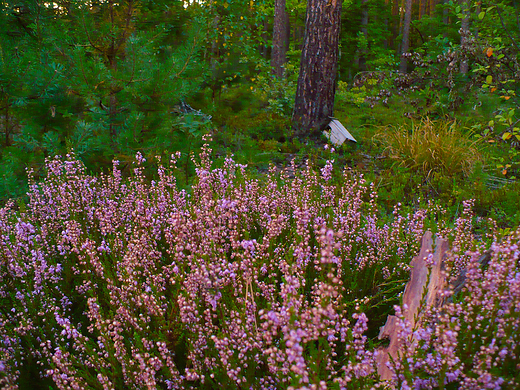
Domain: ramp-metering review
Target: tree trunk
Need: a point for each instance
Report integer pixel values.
(433, 3)
(464, 33)
(395, 8)
(278, 57)
(445, 18)
(477, 12)
(314, 102)
(264, 50)
(364, 31)
(423, 8)
(405, 46)
(395, 23)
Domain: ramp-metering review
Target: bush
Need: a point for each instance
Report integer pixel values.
(472, 341)
(267, 283)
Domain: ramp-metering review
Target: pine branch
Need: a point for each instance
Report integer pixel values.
(123, 38)
(89, 40)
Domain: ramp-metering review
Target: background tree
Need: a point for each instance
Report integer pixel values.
(280, 38)
(314, 101)
(364, 33)
(101, 79)
(366, 38)
(464, 35)
(405, 45)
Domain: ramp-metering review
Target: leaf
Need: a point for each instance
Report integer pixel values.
(504, 172)
(481, 15)
(506, 136)
(489, 52)
(489, 79)
(493, 89)
(20, 102)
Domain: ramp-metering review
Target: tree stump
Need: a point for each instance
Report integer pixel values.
(426, 280)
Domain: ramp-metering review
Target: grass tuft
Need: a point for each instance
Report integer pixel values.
(431, 147)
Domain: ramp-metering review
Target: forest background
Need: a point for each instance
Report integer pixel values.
(429, 88)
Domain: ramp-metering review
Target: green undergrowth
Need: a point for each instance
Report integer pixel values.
(411, 159)
(456, 163)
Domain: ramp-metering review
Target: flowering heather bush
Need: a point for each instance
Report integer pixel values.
(112, 283)
(473, 341)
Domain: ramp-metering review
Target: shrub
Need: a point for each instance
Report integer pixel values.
(113, 282)
(471, 342)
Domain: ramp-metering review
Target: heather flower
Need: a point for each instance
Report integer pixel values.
(237, 282)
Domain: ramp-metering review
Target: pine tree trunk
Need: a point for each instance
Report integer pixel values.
(364, 31)
(445, 18)
(405, 46)
(477, 12)
(264, 49)
(314, 102)
(395, 8)
(423, 8)
(278, 57)
(464, 33)
(395, 22)
(433, 3)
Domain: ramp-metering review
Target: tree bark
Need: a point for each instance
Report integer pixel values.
(314, 102)
(445, 18)
(464, 33)
(395, 25)
(423, 8)
(405, 46)
(264, 49)
(364, 31)
(278, 57)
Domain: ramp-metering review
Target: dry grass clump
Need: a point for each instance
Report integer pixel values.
(431, 147)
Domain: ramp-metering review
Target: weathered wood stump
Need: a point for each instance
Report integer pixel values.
(426, 281)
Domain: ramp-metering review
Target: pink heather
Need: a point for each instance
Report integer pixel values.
(238, 283)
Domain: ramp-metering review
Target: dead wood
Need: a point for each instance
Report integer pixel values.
(421, 293)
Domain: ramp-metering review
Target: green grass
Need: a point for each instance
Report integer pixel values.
(431, 147)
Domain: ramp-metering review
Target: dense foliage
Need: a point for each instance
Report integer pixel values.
(101, 80)
(109, 78)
